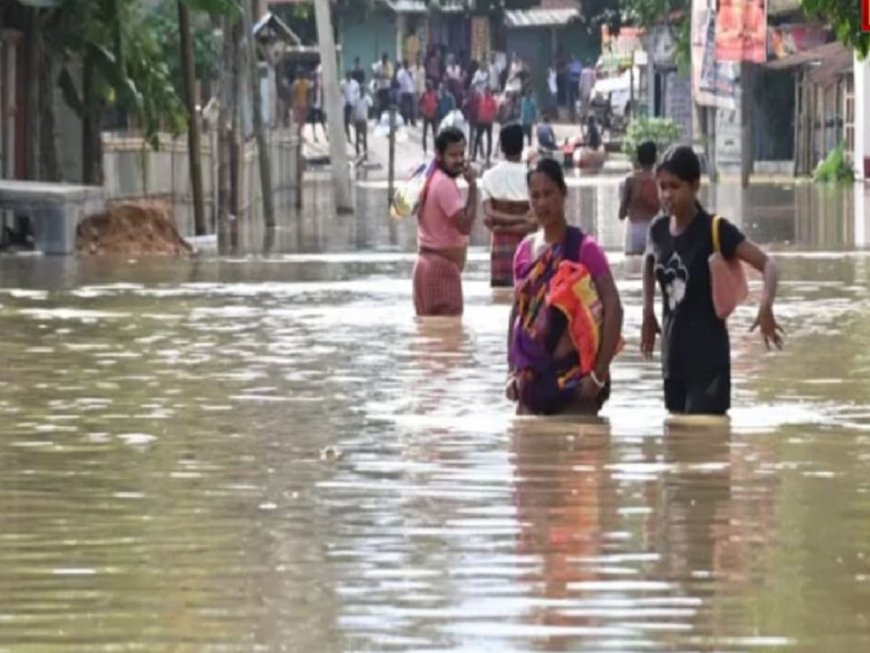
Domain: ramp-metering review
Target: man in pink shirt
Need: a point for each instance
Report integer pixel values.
(443, 224)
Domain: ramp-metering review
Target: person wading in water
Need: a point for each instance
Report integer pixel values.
(443, 224)
(696, 352)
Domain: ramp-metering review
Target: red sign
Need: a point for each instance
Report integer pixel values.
(865, 15)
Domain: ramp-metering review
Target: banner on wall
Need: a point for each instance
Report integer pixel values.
(741, 30)
(715, 83)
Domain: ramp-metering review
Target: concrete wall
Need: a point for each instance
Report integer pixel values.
(133, 171)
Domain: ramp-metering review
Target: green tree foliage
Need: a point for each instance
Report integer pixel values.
(664, 132)
(845, 17)
(674, 14)
(127, 64)
(163, 24)
(132, 66)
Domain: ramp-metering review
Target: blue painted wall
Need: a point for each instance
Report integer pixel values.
(368, 40)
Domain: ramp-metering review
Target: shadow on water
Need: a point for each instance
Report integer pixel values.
(266, 451)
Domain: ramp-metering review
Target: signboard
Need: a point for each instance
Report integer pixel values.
(786, 40)
(865, 15)
(741, 30)
(714, 83)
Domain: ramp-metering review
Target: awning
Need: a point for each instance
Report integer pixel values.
(815, 56)
(777, 7)
(540, 17)
(424, 6)
(407, 6)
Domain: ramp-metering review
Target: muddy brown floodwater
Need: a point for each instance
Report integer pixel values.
(252, 452)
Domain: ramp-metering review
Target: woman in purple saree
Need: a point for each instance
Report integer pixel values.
(544, 374)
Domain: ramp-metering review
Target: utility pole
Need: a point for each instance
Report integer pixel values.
(391, 172)
(259, 130)
(334, 108)
(193, 138)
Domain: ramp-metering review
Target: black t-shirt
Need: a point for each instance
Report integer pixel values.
(694, 340)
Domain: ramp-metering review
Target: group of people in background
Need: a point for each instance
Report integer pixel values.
(427, 87)
(565, 326)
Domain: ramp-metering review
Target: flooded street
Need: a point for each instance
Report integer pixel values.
(256, 452)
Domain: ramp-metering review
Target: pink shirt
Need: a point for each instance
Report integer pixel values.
(436, 228)
(591, 255)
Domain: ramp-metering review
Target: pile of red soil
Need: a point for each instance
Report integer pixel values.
(131, 229)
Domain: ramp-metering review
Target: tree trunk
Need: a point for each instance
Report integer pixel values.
(31, 63)
(259, 130)
(224, 117)
(49, 168)
(194, 151)
(92, 151)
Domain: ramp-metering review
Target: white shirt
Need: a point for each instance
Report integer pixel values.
(361, 108)
(351, 92)
(419, 79)
(480, 79)
(494, 75)
(507, 181)
(454, 71)
(405, 78)
(551, 82)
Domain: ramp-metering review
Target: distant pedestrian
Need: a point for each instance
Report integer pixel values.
(316, 114)
(545, 135)
(419, 78)
(528, 114)
(407, 92)
(486, 110)
(553, 88)
(358, 73)
(429, 111)
(350, 90)
(446, 102)
(639, 199)
(593, 134)
(480, 80)
(575, 72)
(494, 75)
(504, 191)
(382, 72)
(361, 122)
(470, 109)
(301, 92)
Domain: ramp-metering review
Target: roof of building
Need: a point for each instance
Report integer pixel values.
(277, 27)
(810, 56)
(825, 63)
(423, 6)
(540, 17)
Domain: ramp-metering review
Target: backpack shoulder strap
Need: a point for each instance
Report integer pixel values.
(717, 246)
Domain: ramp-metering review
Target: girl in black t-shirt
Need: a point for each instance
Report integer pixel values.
(696, 355)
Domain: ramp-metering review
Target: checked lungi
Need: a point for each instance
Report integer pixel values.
(504, 245)
(501, 259)
(437, 285)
